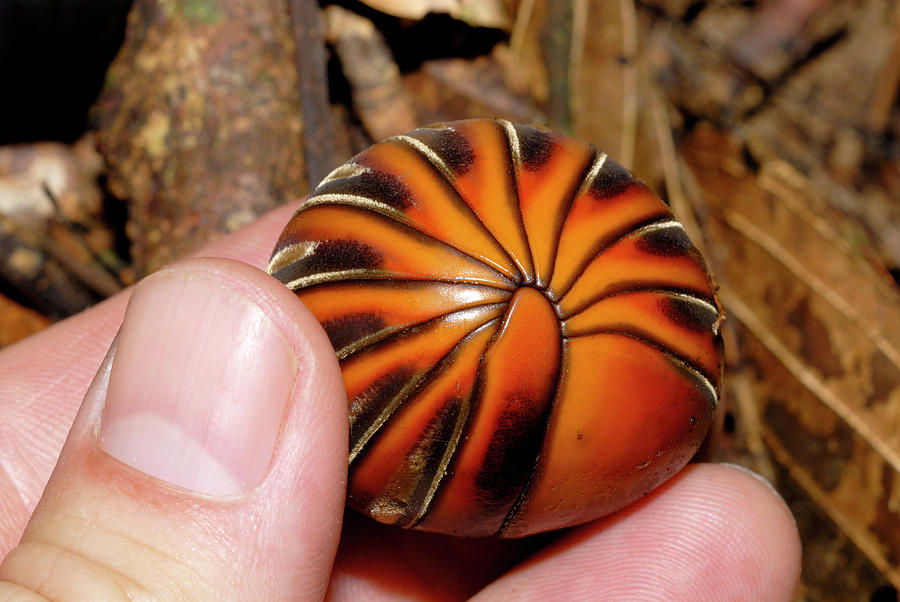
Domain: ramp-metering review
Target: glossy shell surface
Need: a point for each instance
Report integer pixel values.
(528, 338)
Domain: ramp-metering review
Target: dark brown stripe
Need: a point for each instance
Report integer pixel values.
(512, 454)
(444, 419)
(536, 146)
(665, 242)
(612, 180)
(332, 256)
(424, 462)
(375, 401)
(404, 493)
(367, 407)
(688, 315)
(373, 184)
(347, 329)
(451, 146)
(525, 488)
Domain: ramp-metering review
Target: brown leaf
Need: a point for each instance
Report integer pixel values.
(457, 88)
(820, 327)
(18, 322)
(27, 171)
(379, 97)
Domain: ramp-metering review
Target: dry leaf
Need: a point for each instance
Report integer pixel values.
(446, 89)
(69, 173)
(18, 322)
(483, 13)
(379, 97)
(820, 330)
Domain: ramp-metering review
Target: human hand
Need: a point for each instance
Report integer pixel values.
(254, 511)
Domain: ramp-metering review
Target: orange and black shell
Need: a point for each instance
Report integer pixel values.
(528, 338)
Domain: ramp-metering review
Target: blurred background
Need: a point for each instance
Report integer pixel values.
(134, 131)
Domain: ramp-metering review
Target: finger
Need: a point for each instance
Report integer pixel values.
(44, 378)
(208, 459)
(713, 532)
(381, 562)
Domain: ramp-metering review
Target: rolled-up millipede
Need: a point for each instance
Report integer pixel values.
(528, 338)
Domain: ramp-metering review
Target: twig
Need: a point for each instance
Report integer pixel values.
(102, 281)
(95, 279)
(674, 187)
(748, 416)
(815, 282)
(576, 51)
(887, 83)
(629, 84)
(517, 37)
(556, 42)
(811, 381)
(41, 279)
(312, 76)
(379, 95)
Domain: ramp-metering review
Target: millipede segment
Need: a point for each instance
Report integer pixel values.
(528, 338)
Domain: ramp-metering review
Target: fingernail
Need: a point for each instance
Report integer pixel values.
(198, 387)
(771, 487)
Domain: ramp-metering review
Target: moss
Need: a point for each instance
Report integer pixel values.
(202, 11)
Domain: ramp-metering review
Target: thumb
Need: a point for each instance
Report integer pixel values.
(208, 459)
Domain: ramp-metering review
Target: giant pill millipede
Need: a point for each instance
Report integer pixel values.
(527, 336)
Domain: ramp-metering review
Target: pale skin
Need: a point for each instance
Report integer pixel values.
(102, 529)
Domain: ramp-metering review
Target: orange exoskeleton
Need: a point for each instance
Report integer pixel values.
(528, 338)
